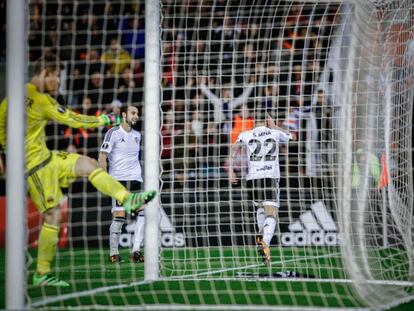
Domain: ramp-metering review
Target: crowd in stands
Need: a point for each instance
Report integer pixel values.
(218, 66)
(220, 70)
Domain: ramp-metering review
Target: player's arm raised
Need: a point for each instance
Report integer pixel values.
(272, 125)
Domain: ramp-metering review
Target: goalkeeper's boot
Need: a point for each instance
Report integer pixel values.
(48, 280)
(264, 250)
(137, 257)
(136, 201)
(115, 259)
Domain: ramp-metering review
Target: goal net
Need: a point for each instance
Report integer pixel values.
(337, 74)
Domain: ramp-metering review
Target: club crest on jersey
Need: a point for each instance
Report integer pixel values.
(136, 140)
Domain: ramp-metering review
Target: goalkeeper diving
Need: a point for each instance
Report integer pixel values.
(48, 171)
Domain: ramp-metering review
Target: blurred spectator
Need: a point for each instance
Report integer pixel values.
(249, 62)
(133, 35)
(209, 70)
(224, 106)
(116, 57)
(95, 88)
(115, 107)
(242, 121)
(272, 101)
(196, 124)
(127, 91)
(84, 140)
(168, 65)
(222, 49)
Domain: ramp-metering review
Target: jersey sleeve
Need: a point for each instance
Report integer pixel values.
(108, 142)
(54, 111)
(3, 123)
(282, 136)
(240, 139)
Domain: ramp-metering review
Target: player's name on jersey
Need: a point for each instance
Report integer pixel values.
(260, 134)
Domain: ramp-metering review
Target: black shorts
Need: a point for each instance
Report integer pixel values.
(264, 190)
(132, 186)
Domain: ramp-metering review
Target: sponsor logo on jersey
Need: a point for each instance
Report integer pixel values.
(61, 109)
(314, 227)
(169, 238)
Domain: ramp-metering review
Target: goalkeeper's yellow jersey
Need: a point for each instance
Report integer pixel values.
(41, 108)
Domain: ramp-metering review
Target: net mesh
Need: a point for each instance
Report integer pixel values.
(377, 210)
(337, 75)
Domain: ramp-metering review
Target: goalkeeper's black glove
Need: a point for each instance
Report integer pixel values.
(111, 119)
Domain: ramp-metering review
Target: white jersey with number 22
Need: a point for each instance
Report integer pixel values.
(262, 147)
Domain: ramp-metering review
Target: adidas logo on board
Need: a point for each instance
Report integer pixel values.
(314, 227)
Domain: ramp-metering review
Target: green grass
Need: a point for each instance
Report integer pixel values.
(206, 276)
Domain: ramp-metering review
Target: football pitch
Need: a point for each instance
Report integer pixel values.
(198, 277)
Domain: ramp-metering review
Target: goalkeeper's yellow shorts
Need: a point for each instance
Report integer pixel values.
(44, 185)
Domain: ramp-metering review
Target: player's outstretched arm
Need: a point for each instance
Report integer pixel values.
(58, 113)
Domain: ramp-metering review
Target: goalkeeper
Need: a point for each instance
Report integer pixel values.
(49, 171)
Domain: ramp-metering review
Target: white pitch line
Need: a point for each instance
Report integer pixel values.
(254, 278)
(253, 266)
(120, 286)
(86, 293)
(179, 307)
(189, 277)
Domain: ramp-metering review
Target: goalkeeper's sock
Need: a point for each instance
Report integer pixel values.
(114, 235)
(48, 240)
(139, 232)
(106, 184)
(269, 229)
(260, 218)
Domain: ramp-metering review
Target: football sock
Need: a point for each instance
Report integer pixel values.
(114, 235)
(106, 184)
(269, 229)
(48, 240)
(260, 218)
(139, 232)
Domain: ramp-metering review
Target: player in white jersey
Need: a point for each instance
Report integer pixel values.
(121, 148)
(261, 146)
